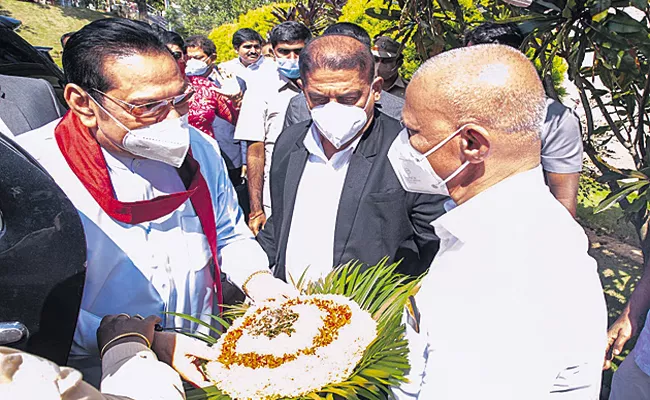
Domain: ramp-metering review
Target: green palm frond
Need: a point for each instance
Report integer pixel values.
(383, 293)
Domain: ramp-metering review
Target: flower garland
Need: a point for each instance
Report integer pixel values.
(293, 347)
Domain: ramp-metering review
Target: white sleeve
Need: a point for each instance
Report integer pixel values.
(133, 371)
(561, 140)
(250, 124)
(239, 253)
(417, 357)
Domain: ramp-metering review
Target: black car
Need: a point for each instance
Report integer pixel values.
(19, 58)
(42, 243)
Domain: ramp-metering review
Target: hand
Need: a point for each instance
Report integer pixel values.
(263, 287)
(115, 325)
(257, 222)
(228, 85)
(185, 355)
(617, 335)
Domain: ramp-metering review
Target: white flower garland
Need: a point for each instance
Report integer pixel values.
(292, 347)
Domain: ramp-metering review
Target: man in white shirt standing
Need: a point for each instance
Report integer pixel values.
(159, 212)
(249, 61)
(512, 307)
(262, 115)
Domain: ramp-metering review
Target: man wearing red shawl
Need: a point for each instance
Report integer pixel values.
(160, 215)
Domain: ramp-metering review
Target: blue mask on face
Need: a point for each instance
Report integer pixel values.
(289, 67)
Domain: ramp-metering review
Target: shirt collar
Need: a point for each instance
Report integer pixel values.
(254, 66)
(399, 82)
(484, 213)
(286, 83)
(314, 146)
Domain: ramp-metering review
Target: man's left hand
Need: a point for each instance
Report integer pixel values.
(185, 355)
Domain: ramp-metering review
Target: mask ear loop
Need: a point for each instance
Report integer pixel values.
(439, 145)
(117, 121)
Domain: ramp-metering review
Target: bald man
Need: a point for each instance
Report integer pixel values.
(512, 307)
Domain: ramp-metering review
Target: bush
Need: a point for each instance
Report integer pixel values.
(259, 19)
(355, 12)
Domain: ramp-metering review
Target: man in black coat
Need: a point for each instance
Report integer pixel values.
(334, 194)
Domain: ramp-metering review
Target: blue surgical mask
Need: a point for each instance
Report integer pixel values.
(289, 67)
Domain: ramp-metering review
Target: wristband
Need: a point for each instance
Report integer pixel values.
(262, 271)
(122, 336)
(255, 216)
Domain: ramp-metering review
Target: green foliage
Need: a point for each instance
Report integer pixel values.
(383, 293)
(316, 15)
(193, 17)
(260, 19)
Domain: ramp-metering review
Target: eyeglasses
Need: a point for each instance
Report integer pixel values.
(155, 107)
(177, 54)
(286, 52)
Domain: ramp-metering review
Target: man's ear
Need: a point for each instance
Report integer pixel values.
(377, 87)
(400, 61)
(80, 103)
(475, 143)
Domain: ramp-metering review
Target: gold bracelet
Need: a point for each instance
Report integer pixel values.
(122, 336)
(262, 271)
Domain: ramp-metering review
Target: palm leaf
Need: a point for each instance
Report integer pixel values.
(380, 291)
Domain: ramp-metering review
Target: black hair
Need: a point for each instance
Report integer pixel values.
(289, 31)
(245, 35)
(489, 32)
(206, 45)
(89, 48)
(349, 29)
(170, 37)
(331, 53)
(66, 36)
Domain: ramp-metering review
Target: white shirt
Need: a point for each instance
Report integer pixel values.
(156, 266)
(512, 307)
(5, 129)
(261, 119)
(260, 67)
(310, 245)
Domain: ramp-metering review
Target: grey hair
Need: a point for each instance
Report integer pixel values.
(493, 85)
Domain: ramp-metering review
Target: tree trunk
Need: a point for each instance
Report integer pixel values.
(142, 8)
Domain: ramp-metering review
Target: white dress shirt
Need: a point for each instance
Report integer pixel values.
(261, 119)
(156, 266)
(262, 66)
(310, 245)
(512, 307)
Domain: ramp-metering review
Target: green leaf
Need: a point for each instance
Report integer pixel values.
(599, 6)
(600, 16)
(614, 197)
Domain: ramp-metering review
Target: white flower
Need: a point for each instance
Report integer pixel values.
(293, 347)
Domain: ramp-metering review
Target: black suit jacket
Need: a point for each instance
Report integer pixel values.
(376, 217)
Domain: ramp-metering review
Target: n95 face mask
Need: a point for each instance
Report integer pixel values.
(414, 171)
(167, 141)
(339, 123)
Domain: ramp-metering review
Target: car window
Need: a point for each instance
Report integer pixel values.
(11, 52)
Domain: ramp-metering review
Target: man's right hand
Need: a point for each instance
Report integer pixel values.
(113, 326)
(617, 335)
(256, 222)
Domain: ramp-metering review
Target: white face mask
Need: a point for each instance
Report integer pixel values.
(195, 67)
(167, 141)
(414, 171)
(339, 123)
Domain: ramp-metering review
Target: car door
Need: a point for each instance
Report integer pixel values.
(42, 256)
